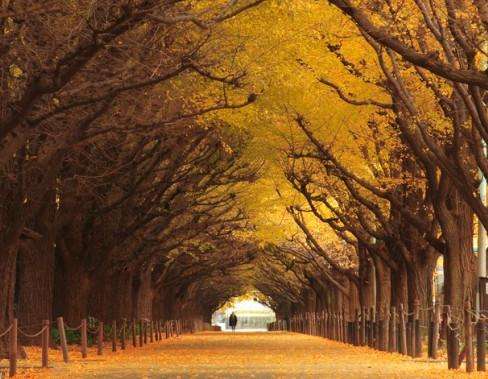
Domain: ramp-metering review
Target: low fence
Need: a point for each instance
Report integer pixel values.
(401, 332)
(135, 332)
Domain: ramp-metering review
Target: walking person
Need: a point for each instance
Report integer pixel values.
(233, 321)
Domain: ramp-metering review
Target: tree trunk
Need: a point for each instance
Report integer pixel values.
(383, 286)
(366, 279)
(456, 220)
(72, 291)
(111, 296)
(7, 291)
(399, 287)
(35, 278)
(143, 294)
(121, 303)
(35, 285)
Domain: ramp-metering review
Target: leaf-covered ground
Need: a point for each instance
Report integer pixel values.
(243, 355)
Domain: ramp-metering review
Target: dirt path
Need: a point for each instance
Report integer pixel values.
(248, 355)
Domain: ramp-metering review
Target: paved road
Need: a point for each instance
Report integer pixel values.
(248, 355)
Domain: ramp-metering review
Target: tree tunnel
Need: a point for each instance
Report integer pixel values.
(160, 157)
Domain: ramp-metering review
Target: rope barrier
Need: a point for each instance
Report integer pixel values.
(93, 331)
(32, 335)
(477, 315)
(93, 326)
(6, 331)
(32, 325)
(67, 327)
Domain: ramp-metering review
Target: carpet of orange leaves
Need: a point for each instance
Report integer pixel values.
(239, 355)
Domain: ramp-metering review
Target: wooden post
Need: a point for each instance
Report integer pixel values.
(13, 348)
(333, 326)
(144, 325)
(468, 337)
(122, 334)
(436, 330)
(321, 324)
(100, 338)
(326, 325)
(62, 339)
(84, 339)
(45, 343)
(141, 337)
(416, 333)
(114, 336)
(134, 334)
(402, 332)
(339, 326)
(329, 325)
(481, 345)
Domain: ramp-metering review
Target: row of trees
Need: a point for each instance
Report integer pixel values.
(407, 193)
(116, 199)
(120, 199)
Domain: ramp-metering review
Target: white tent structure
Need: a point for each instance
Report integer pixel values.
(251, 316)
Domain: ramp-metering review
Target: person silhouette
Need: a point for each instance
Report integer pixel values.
(233, 321)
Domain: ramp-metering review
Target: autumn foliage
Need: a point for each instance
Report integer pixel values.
(160, 157)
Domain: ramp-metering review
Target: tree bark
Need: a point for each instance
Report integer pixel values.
(73, 285)
(35, 278)
(399, 287)
(456, 220)
(383, 286)
(366, 279)
(7, 292)
(143, 293)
